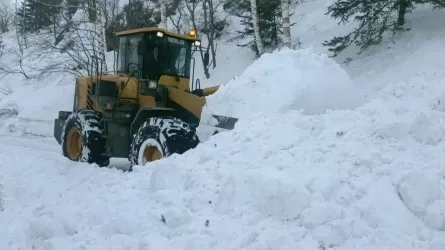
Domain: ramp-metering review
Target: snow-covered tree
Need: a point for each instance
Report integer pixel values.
(34, 15)
(270, 24)
(375, 18)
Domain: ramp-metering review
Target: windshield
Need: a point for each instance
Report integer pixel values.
(177, 51)
(162, 55)
(128, 57)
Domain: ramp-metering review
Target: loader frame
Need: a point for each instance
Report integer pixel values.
(122, 114)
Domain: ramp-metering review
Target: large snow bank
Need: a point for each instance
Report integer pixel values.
(287, 80)
(368, 178)
(371, 177)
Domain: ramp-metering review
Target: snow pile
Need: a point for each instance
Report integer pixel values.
(365, 178)
(356, 179)
(287, 80)
(424, 195)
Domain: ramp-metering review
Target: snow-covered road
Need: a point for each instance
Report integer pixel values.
(16, 144)
(47, 199)
(41, 147)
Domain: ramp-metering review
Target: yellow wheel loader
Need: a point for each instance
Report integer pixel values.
(146, 110)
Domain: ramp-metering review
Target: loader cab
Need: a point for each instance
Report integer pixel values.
(149, 53)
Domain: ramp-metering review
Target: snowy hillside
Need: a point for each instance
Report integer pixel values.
(325, 156)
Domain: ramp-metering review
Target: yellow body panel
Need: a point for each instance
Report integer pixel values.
(128, 89)
(147, 101)
(189, 101)
(81, 93)
(176, 82)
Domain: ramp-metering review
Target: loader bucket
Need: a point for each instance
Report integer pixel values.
(224, 122)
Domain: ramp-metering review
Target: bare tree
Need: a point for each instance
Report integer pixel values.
(79, 45)
(111, 10)
(16, 23)
(16, 65)
(213, 26)
(177, 20)
(18, 61)
(17, 54)
(74, 44)
(99, 26)
(5, 89)
(286, 23)
(5, 17)
(256, 27)
(164, 14)
(208, 23)
(192, 7)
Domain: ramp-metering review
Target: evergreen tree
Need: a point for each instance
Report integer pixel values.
(134, 15)
(269, 15)
(375, 18)
(71, 6)
(34, 15)
(137, 15)
(25, 17)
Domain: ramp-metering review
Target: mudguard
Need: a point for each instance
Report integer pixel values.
(146, 112)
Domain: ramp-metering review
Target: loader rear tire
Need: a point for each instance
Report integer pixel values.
(161, 137)
(82, 138)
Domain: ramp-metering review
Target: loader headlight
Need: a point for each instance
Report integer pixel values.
(192, 32)
(152, 85)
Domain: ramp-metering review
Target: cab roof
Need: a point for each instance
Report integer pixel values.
(156, 29)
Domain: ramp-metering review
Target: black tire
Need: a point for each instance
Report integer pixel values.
(172, 135)
(90, 126)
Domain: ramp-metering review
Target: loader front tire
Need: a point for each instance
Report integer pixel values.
(161, 137)
(82, 138)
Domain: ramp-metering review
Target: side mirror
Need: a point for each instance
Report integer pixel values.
(206, 59)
